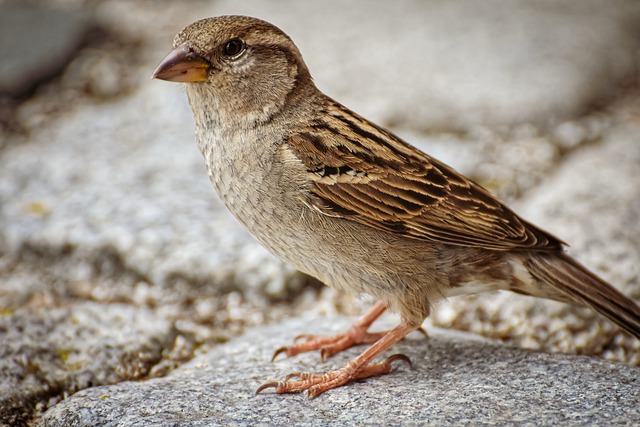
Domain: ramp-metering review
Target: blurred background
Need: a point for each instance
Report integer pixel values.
(111, 236)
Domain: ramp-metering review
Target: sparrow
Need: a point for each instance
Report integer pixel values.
(352, 204)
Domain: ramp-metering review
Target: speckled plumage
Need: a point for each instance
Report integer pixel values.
(349, 202)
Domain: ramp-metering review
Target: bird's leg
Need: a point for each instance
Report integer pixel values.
(360, 367)
(331, 345)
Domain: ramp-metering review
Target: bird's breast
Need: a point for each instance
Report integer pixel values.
(267, 188)
(262, 191)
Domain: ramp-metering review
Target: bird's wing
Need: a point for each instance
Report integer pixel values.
(363, 173)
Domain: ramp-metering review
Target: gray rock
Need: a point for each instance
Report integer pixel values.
(47, 353)
(456, 379)
(36, 42)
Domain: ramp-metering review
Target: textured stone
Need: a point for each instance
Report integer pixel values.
(50, 352)
(36, 42)
(456, 379)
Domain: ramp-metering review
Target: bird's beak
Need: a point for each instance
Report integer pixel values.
(182, 65)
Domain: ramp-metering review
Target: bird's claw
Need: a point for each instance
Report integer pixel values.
(315, 384)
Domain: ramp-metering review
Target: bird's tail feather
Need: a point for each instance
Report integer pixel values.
(568, 276)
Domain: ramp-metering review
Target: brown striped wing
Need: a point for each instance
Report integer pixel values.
(366, 174)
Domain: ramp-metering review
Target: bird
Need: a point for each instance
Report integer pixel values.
(352, 204)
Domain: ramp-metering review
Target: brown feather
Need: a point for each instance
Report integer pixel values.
(381, 181)
(568, 276)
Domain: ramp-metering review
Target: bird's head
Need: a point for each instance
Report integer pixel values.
(235, 65)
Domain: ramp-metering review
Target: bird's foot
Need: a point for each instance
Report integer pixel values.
(315, 384)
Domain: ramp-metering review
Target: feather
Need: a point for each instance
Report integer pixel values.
(568, 276)
(363, 173)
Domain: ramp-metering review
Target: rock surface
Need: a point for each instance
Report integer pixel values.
(36, 42)
(105, 208)
(51, 352)
(457, 379)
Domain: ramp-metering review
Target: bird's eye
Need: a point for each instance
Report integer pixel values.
(233, 48)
